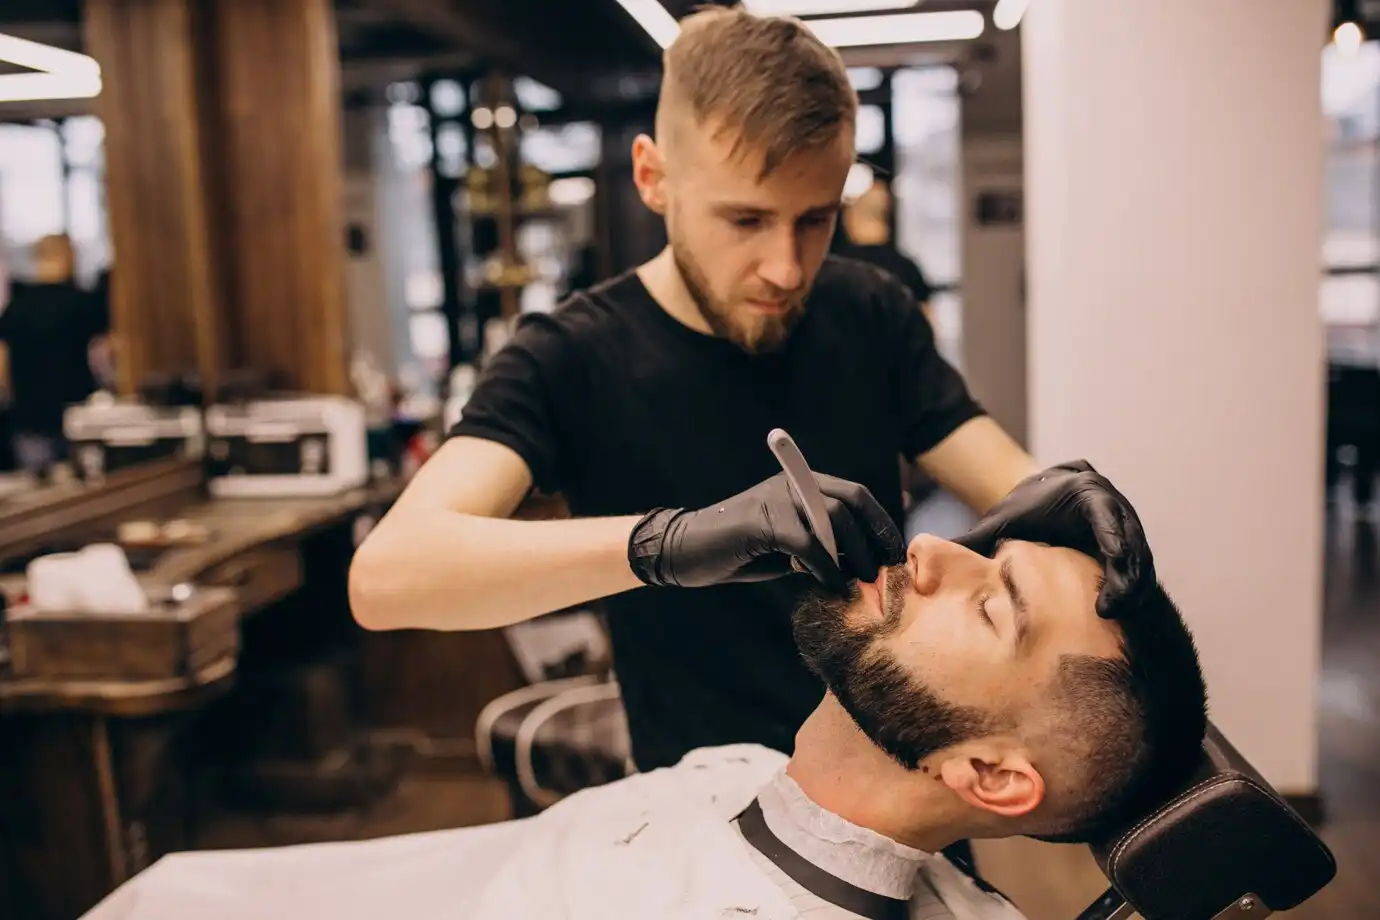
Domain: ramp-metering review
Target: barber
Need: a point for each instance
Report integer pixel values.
(646, 402)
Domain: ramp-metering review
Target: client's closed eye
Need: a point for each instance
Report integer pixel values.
(982, 611)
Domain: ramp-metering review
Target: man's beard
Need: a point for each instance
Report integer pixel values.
(755, 335)
(897, 711)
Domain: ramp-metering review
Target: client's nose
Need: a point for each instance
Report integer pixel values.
(934, 561)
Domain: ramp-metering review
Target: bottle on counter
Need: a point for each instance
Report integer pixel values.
(375, 392)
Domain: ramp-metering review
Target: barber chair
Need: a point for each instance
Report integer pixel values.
(554, 738)
(566, 730)
(1226, 847)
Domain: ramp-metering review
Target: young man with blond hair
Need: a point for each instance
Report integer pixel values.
(652, 394)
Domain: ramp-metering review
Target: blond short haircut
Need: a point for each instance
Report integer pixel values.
(766, 81)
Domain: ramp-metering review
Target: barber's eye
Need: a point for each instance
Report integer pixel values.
(817, 220)
(747, 223)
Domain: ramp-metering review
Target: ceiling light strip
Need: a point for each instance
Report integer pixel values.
(823, 7)
(654, 20)
(61, 74)
(36, 87)
(1007, 14)
(46, 58)
(898, 29)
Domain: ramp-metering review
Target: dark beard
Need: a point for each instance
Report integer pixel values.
(896, 711)
(763, 339)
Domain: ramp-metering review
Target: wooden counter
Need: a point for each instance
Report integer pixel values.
(95, 781)
(107, 776)
(238, 526)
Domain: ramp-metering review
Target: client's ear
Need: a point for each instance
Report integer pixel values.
(1004, 783)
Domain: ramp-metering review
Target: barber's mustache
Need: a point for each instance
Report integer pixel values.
(770, 292)
(899, 585)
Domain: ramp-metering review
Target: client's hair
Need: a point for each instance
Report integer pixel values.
(1132, 728)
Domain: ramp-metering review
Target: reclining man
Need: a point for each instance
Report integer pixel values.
(968, 697)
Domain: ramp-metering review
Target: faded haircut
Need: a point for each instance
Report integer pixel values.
(1131, 728)
(767, 81)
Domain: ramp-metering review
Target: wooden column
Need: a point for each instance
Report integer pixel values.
(226, 184)
(283, 188)
(166, 303)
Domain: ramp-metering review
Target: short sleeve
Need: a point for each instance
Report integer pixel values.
(514, 402)
(932, 398)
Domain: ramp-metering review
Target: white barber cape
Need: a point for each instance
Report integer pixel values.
(658, 844)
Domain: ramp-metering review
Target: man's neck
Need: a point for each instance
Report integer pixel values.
(662, 279)
(842, 771)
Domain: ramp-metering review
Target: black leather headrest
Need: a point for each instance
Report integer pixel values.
(1227, 834)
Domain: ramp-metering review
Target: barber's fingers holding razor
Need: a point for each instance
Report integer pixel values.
(1075, 506)
(764, 533)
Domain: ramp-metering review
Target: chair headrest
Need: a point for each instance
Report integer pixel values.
(1225, 835)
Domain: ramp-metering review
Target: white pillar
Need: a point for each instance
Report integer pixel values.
(1174, 162)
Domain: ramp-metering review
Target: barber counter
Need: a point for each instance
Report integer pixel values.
(238, 676)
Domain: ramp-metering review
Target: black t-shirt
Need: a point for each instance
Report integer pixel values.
(48, 329)
(621, 408)
(890, 259)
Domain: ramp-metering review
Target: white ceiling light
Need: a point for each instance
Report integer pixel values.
(61, 74)
(46, 58)
(571, 192)
(860, 179)
(898, 29)
(36, 87)
(1008, 13)
(653, 19)
(822, 7)
(864, 78)
(1348, 37)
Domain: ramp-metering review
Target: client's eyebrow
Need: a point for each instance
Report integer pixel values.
(1020, 610)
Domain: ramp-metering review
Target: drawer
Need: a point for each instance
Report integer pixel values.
(259, 577)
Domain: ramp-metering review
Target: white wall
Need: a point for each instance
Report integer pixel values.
(1173, 172)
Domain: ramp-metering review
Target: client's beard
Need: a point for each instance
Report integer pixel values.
(897, 711)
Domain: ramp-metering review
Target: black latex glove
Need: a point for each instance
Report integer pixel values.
(1075, 506)
(763, 534)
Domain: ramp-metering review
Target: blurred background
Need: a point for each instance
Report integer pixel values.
(344, 206)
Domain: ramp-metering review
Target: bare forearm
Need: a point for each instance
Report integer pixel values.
(436, 569)
(979, 463)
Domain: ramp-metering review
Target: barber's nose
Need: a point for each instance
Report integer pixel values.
(781, 268)
(933, 561)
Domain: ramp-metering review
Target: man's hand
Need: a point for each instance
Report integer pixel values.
(763, 534)
(1074, 506)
